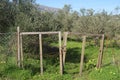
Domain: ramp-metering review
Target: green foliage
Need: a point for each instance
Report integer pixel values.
(11, 72)
(71, 68)
(7, 16)
(90, 64)
(15, 74)
(47, 76)
(31, 69)
(26, 14)
(106, 73)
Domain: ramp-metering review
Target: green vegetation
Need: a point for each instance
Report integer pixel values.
(109, 71)
(27, 15)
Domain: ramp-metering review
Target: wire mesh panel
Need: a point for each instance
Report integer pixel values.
(8, 49)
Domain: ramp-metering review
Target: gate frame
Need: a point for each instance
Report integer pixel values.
(62, 48)
(20, 48)
(100, 55)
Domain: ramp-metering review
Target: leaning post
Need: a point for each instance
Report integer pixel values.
(82, 54)
(100, 55)
(101, 50)
(64, 46)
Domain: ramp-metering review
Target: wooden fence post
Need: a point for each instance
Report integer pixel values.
(82, 54)
(60, 54)
(18, 46)
(21, 51)
(64, 46)
(41, 54)
(100, 55)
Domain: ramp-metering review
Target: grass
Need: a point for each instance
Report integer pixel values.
(109, 71)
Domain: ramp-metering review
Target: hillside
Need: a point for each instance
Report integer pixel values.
(46, 8)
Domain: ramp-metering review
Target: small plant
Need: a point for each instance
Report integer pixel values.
(90, 64)
(106, 73)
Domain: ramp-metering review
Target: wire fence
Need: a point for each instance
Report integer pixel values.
(8, 48)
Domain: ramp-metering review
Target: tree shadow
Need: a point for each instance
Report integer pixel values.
(47, 49)
(73, 55)
(107, 64)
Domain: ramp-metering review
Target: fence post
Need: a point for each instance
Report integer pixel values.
(21, 51)
(82, 54)
(60, 54)
(64, 46)
(18, 47)
(41, 55)
(100, 55)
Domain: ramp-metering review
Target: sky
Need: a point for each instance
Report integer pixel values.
(98, 5)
